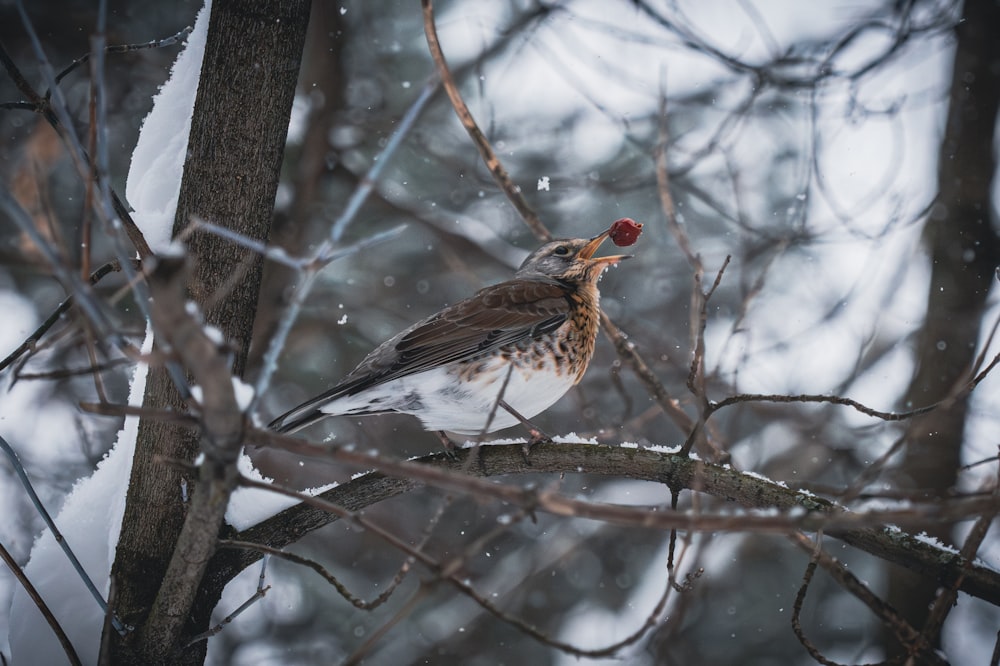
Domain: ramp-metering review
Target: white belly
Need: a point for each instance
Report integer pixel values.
(443, 402)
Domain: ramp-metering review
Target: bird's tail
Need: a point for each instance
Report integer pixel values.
(296, 419)
(311, 411)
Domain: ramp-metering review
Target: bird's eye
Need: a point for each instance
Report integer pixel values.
(561, 251)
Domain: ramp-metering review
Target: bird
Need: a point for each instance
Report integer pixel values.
(488, 362)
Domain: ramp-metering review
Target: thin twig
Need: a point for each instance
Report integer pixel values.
(56, 534)
(626, 349)
(885, 613)
(946, 599)
(124, 48)
(329, 249)
(355, 601)
(497, 402)
(367, 184)
(696, 373)
(95, 368)
(43, 608)
(482, 144)
(50, 321)
(663, 188)
(829, 399)
(800, 597)
(254, 598)
(117, 409)
(308, 277)
(359, 653)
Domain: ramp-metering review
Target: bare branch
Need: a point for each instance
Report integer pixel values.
(948, 596)
(352, 599)
(43, 608)
(849, 582)
(800, 510)
(254, 598)
(56, 534)
(124, 48)
(30, 342)
(490, 159)
(49, 109)
(223, 425)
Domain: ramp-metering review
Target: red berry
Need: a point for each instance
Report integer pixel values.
(625, 231)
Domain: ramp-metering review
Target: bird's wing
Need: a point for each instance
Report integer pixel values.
(499, 315)
(496, 316)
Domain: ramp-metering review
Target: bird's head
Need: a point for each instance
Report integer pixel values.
(569, 259)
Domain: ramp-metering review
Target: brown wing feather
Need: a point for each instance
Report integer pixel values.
(496, 316)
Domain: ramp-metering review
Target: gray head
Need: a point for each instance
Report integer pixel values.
(568, 259)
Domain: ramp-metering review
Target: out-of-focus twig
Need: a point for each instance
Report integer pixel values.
(331, 249)
(15, 463)
(49, 107)
(254, 598)
(886, 613)
(351, 598)
(946, 599)
(43, 608)
(666, 198)
(30, 342)
(696, 373)
(124, 48)
(627, 350)
(482, 144)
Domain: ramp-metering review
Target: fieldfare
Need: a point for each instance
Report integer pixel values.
(490, 361)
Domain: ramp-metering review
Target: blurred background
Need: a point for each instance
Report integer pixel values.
(806, 141)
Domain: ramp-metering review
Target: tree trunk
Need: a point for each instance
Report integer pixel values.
(964, 252)
(230, 178)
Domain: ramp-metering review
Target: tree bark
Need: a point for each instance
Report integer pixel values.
(230, 178)
(964, 252)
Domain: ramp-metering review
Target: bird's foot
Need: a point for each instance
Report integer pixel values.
(535, 437)
(535, 434)
(449, 446)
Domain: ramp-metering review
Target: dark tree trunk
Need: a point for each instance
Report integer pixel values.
(230, 178)
(964, 252)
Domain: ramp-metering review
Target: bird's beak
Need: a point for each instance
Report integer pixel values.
(590, 248)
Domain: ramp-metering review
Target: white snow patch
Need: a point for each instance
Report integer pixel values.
(244, 393)
(154, 178)
(659, 448)
(214, 334)
(249, 506)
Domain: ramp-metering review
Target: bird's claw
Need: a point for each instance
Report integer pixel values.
(535, 437)
(449, 446)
